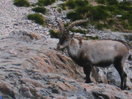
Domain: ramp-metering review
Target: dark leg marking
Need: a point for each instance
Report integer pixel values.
(87, 70)
(119, 67)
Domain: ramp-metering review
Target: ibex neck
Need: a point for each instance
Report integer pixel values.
(74, 47)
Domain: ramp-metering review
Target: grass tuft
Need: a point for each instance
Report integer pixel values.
(22, 3)
(45, 2)
(37, 18)
(40, 9)
(54, 33)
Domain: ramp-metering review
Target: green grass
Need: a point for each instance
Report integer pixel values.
(82, 9)
(73, 15)
(98, 13)
(21, 3)
(92, 38)
(40, 9)
(37, 18)
(102, 16)
(108, 2)
(75, 3)
(45, 2)
(79, 31)
(54, 34)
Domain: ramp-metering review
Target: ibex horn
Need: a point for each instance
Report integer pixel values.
(76, 23)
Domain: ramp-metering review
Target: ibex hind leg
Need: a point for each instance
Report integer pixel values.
(87, 71)
(119, 67)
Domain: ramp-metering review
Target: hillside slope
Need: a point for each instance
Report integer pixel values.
(31, 68)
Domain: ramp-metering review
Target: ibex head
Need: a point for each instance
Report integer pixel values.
(66, 37)
(64, 41)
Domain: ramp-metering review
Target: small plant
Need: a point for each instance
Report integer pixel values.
(91, 37)
(76, 3)
(73, 15)
(96, 13)
(108, 2)
(99, 13)
(79, 31)
(59, 9)
(40, 9)
(21, 3)
(112, 2)
(37, 18)
(101, 1)
(54, 33)
(125, 6)
(45, 2)
(63, 6)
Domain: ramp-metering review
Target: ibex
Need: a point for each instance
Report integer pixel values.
(88, 53)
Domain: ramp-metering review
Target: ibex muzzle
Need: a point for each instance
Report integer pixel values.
(64, 41)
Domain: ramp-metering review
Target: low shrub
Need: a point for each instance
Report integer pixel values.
(76, 3)
(91, 37)
(99, 13)
(128, 24)
(45, 2)
(37, 18)
(59, 9)
(102, 16)
(125, 6)
(125, 24)
(111, 22)
(99, 26)
(108, 2)
(73, 15)
(78, 31)
(54, 33)
(111, 2)
(63, 6)
(21, 3)
(83, 11)
(40, 9)
(101, 1)
(96, 13)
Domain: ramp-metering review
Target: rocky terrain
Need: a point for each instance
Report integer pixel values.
(32, 68)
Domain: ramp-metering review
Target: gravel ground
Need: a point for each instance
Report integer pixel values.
(14, 18)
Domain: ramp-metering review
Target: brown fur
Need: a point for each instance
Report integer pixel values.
(88, 53)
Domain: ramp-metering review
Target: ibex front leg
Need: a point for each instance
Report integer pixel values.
(119, 67)
(87, 71)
